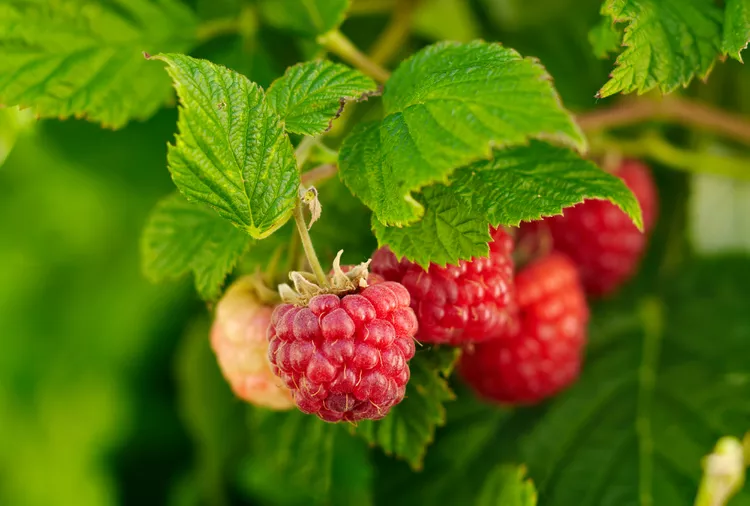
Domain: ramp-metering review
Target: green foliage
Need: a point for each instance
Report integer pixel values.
(410, 426)
(661, 385)
(605, 38)
(181, 237)
(82, 57)
(505, 486)
(231, 152)
(445, 107)
(451, 229)
(299, 459)
(667, 43)
(305, 17)
(736, 28)
(719, 210)
(311, 95)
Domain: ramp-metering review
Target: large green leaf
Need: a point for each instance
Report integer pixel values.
(84, 58)
(450, 230)
(310, 95)
(306, 17)
(521, 183)
(662, 383)
(298, 459)
(530, 182)
(181, 237)
(231, 152)
(446, 107)
(736, 27)
(667, 43)
(410, 426)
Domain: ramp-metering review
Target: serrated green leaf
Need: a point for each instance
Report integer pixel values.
(736, 27)
(605, 38)
(82, 57)
(661, 384)
(667, 43)
(450, 230)
(306, 17)
(507, 486)
(529, 182)
(181, 236)
(323, 462)
(310, 95)
(410, 426)
(446, 107)
(231, 151)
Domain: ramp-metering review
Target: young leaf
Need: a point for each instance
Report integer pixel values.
(667, 42)
(450, 230)
(736, 27)
(323, 462)
(446, 107)
(310, 95)
(231, 151)
(81, 58)
(306, 17)
(529, 182)
(506, 486)
(661, 385)
(181, 236)
(410, 426)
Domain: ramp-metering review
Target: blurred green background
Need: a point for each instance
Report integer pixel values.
(108, 390)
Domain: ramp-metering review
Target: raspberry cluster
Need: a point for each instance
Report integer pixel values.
(345, 357)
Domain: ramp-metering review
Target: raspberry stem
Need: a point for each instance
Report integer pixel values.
(304, 235)
(337, 43)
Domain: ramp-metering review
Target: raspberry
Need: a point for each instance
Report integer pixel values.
(466, 303)
(345, 357)
(544, 355)
(238, 338)
(600, 239)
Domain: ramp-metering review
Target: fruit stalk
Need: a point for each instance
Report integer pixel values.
(304, 235)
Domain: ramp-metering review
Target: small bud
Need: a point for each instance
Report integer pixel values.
(309, 197)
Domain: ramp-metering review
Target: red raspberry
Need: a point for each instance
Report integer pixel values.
(466, 303)
(238, 337)
(345, 358)
(545, 354)
(600, 239)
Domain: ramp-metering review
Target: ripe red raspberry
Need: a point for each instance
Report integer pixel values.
(545, 354)
(466, 303)
(238, 337)
(600, 239)
(345, 357)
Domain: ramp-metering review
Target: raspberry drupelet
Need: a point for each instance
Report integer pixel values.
(470, 302)
(345, 357)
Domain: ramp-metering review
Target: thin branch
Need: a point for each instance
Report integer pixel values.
(318, 174)
(218, 27)
(396, 33)
(337, 43)
(672, 109)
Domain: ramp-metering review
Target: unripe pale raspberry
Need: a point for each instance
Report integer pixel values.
(600, 238)
(470, 302)
(545, 354)
(238, 338)
(345, 357)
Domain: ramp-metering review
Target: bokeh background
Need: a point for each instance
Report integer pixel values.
(109, 393)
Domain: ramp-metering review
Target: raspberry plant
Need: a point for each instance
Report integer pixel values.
(481, 155)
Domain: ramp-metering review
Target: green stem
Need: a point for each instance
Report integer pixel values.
(655, 147)
(396, 33)
(304, 235)
(303, 150)
(218, 27)
(337, 43)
